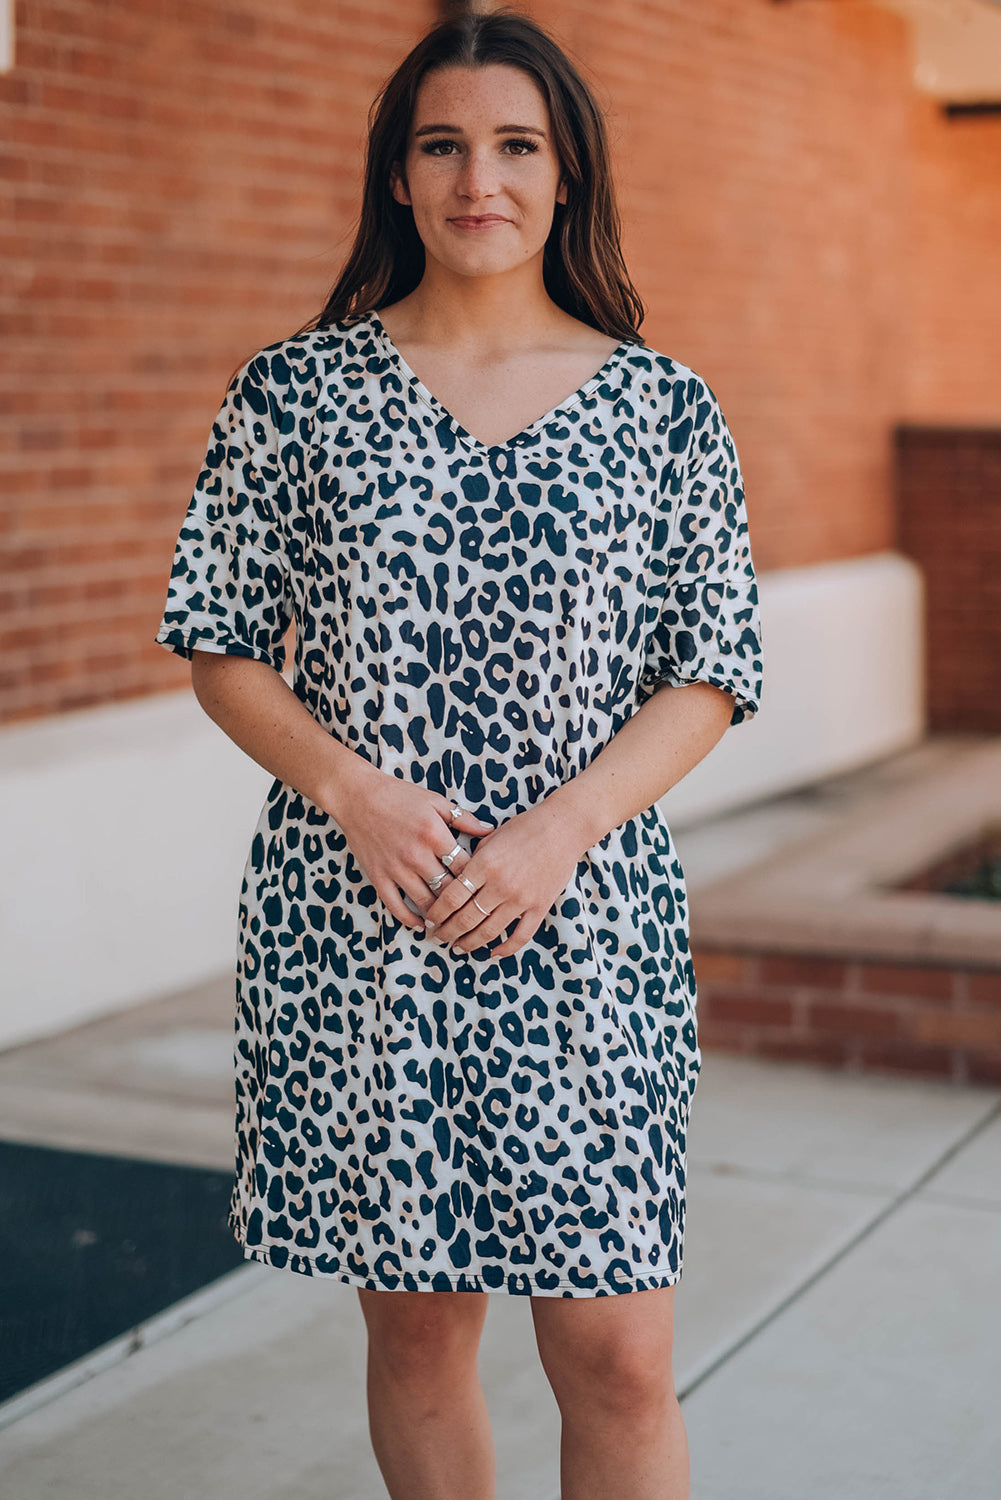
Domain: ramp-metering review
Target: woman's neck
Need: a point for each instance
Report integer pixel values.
(474, 313)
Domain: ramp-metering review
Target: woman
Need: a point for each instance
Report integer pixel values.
(513, 542)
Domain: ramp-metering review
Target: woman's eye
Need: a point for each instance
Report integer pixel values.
(446, 147)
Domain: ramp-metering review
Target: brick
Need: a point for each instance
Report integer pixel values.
(948, 489)
(829, 1052)
(803, 969)
(756, 1010)
(957, 1029)
(717, 967)
(984, 988)
(852, 1020)
(914, 980)
(983, 1067)
(731, 1041)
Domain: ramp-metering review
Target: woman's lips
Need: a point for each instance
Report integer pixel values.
(486, 221)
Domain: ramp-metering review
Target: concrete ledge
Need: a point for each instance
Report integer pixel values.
(812, 955)
(832, 893)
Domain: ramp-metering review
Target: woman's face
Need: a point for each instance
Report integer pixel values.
(481, 172)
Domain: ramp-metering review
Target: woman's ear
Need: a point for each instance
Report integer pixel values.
(398, 184)
(561, 191)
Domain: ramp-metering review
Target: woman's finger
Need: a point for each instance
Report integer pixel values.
(456, 866)
(392, 898)
(419, 890)
(453, 898)
(487, 931)
(416, 885)
(468, 913)
(464, 821)
(526, 928)
(459, 896)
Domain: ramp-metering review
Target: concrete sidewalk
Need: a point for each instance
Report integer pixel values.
(838, 1321)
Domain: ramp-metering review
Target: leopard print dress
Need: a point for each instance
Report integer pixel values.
(481, 620)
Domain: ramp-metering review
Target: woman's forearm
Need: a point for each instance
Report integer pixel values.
(658, 745)
(255, 706)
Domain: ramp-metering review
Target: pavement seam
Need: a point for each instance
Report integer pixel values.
(794, 1179)
(890, 1208)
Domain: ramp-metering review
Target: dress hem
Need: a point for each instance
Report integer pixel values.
(265, 1255)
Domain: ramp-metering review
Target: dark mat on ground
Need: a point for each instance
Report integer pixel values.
(92, 1245)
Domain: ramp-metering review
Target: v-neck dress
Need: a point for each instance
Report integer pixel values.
(480, 620)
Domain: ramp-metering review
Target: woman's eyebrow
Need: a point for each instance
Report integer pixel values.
(500, 130)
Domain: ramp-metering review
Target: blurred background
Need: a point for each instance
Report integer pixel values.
(811, 196)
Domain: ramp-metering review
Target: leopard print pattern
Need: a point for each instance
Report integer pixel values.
(482, 620)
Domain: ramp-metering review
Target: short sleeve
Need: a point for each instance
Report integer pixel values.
(708, 627)
(230, 589)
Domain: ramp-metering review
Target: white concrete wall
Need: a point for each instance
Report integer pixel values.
(125, 831)
(843, 683)
(125, 828)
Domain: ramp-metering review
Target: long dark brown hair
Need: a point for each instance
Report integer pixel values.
(583, 269)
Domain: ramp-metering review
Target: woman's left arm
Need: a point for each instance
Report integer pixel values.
(657, 745)
(523, 867)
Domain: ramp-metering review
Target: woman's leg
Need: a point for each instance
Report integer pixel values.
(608, 1360)
(427, 1414)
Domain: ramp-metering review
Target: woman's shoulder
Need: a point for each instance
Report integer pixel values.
(665, 384)
(665, 369)
(294, 359)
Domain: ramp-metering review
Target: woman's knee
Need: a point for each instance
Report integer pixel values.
(620, 1376)
(623, 1364)
(416, 1335)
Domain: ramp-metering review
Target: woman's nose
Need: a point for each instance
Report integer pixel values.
(477, 176)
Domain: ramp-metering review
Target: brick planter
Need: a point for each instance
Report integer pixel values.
(931, 1019)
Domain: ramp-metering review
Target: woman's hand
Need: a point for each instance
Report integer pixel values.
(519, 870)
(397, 832)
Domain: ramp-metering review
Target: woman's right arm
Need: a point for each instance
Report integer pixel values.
(255, 706)
(396, 830)
(231, 586)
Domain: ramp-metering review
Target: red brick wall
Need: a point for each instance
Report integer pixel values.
(949, 510)
(808, 232)
(867, 1016)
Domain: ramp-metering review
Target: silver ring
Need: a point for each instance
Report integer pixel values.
(467, 883)
(454, 809)
(436, 882)
(447, 859)
(479, 907)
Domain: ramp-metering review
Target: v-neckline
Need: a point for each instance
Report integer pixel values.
(441, 411)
